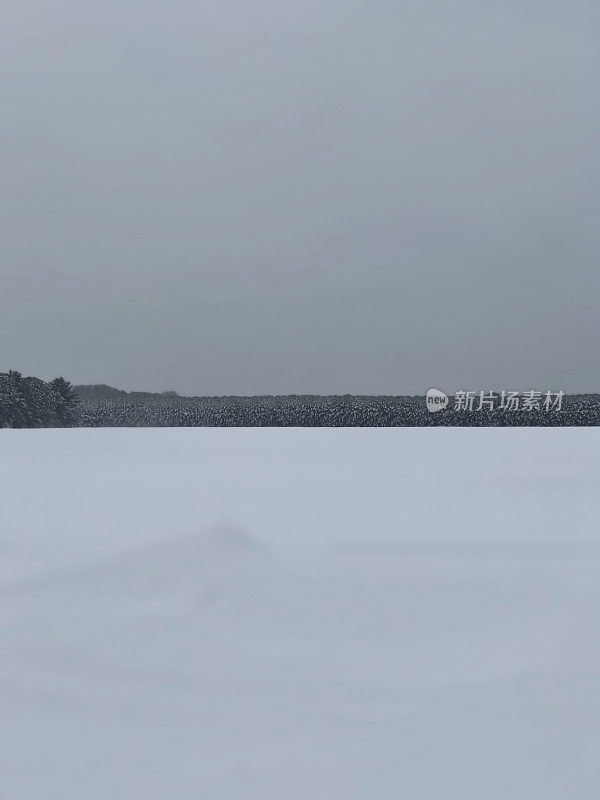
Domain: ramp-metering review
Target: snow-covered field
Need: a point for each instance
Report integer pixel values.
(300, 614)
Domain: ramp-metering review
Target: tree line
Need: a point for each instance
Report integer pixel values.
(318, 411)
(32, 403)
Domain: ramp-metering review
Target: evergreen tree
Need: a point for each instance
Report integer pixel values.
(66, 400)
(13, 408)
(40, 403)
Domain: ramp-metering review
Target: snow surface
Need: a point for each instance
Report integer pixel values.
(283, 613)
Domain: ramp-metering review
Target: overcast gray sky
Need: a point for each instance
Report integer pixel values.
(233, 197)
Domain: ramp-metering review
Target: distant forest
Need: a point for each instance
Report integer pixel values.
(32, 403)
